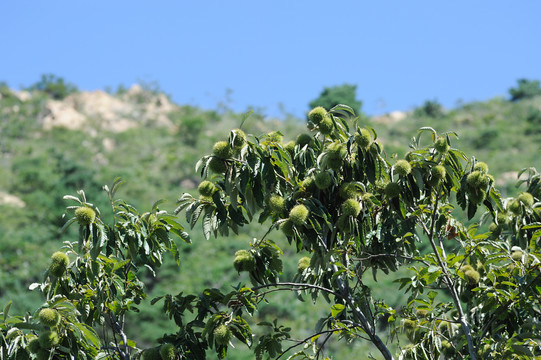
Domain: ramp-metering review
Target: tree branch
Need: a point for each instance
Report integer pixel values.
(364, 323)
(448, 279)
(296, 285)
(300, 342)
(393, 255)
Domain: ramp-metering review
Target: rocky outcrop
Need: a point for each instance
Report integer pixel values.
(11, 200)
(391, 118)
(98, 111)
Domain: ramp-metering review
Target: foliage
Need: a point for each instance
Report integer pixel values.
(54, 86)
(494, 273)
(534, 120)
(450, 300)
(525, 89)
(98, 283)
(484, 131)
(4, 89)
(341, 94)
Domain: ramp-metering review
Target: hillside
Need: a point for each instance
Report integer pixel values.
(52, 147)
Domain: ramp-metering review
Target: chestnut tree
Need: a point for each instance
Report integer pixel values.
(350, 212)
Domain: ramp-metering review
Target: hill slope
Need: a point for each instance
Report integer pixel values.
(50, 148)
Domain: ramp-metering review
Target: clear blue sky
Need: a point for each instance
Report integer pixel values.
(399, 53)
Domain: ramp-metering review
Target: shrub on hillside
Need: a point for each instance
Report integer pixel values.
(430, 108)
(525, 89)
(54, 86)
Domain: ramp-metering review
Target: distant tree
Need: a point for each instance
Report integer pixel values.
(54, 86)
(431, 109)
(4, 89)
(344, 94)
(525, 89)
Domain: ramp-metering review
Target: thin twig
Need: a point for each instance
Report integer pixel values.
(300, 342)
(393, 255)
(296, 285)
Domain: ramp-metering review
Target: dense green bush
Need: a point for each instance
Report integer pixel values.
(533, 118)
(525, 89)
(431, 109)
(53, 86)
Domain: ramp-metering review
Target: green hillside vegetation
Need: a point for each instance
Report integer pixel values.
(154, 146)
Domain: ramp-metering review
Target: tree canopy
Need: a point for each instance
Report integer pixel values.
(525, 89)
(350, 213)
(335, 95)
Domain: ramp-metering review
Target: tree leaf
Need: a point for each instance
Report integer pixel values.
(337, 309)
(6, 310)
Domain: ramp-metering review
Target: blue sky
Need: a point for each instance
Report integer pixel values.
(398, 53)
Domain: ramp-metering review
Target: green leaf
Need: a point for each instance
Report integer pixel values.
(245, 117)
(472, 209)
(28, 326)
(343, 110)
(71, 197)
(67, 225)
(207, 225)
(431, 277)
(120, 264)
(117, 183)
(156, 204)
(89, 333)
(131, 343)
(337, 309)
(532, 226)
(6, 310)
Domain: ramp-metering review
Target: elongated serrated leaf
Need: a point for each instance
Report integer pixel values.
(185, 201)
(67, 225)
(342, 108)
(156, 299)
(196, 214)
(71, 197)
(532, 226)
(6, 310)
(207, 225)
(89, 334)
(156, 204)
(472, 209)
(117, 183)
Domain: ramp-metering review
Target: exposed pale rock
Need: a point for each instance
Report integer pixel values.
(188, 183)
(397, 115)
(22, 95)
(108, 144)
(8, 199)
(98, 111)
(62, 114)
(391, 118)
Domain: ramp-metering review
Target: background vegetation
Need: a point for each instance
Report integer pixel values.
(38, 166)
